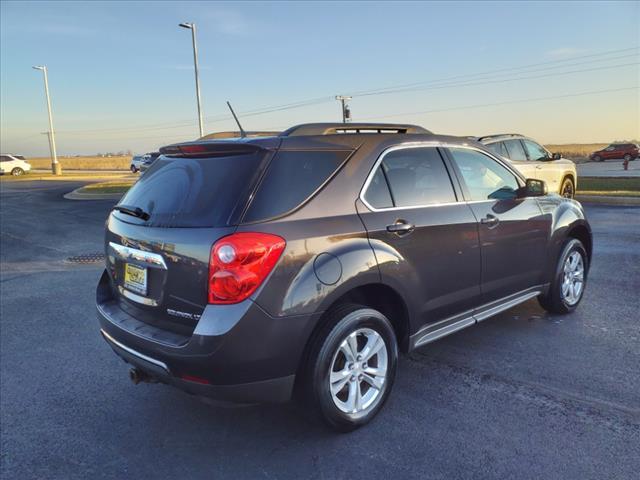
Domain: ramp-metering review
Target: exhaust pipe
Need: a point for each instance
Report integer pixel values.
(136, 376)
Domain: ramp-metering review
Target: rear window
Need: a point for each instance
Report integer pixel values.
(194, 192)
(499, 149)
(516, 152)
(292, 177)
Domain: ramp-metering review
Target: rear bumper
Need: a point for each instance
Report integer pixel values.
(237, 353)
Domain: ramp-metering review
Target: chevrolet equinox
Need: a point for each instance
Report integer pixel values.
(251, 269)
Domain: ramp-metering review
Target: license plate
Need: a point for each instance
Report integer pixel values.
(135, 278)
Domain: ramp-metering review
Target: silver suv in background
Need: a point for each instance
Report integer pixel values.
(14, 164)
(136, 162)
(535, 161)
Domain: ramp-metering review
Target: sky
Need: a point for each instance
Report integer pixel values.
(121, 73)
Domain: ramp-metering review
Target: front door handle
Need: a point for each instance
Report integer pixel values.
(490, 220)
(401, 227)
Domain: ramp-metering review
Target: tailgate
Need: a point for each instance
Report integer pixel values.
(160, 275)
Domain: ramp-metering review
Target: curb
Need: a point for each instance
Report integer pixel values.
(76, 195)
(609, 200)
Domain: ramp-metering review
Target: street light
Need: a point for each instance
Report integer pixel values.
(192, 27)
(55, 166)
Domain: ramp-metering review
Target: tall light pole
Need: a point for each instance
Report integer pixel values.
(346, 113)
(55, 166)
(192, 27)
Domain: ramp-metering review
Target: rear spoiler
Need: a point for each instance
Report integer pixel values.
(213, 148)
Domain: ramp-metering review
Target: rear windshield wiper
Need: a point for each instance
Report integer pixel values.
(133, 211)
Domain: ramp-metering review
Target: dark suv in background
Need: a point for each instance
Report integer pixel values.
(250, 269)
(625, 151)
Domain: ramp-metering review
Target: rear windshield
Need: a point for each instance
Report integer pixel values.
(292, 177)
(194, 192)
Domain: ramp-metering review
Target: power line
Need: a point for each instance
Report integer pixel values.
(434, 84)
(488, 72)
(486, 82)
(463, 107)
(482, 105)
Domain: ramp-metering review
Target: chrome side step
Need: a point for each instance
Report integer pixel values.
(456, 323)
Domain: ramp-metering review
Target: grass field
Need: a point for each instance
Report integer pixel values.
(576, 151)
(84, 163)
(107, 187)
(627, 187)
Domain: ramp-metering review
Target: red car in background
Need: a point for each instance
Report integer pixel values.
(626, 151)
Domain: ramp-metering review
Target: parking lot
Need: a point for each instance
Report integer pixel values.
(523, 395)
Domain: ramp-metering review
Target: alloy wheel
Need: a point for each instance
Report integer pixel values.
(573, 278)
(359, 371)
(567, 189)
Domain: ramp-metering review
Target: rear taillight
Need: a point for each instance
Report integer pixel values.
(239, 263)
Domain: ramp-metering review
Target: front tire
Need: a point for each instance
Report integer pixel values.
(133, 169)
(628, 158)
(351, 367)
(598, 158)
(16, 172)
(567, 189)
(569, 280)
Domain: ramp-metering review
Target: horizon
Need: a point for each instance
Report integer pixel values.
(121, 74)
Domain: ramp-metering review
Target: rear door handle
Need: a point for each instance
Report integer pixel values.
(490, 220)
(401, 227)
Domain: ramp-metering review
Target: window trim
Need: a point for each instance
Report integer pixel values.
(458, 189)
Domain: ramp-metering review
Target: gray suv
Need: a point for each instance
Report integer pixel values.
(257, 269)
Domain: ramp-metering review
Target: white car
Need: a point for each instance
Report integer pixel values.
(535, 161)
(13, 164)
(136, 162)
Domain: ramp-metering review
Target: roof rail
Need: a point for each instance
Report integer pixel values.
(496, 135)
(346, 128)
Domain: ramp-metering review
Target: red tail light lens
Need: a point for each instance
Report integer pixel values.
(239, 263)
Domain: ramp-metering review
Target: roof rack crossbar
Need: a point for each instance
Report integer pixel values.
(342, 128)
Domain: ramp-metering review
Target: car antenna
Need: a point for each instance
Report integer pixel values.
(242, 132)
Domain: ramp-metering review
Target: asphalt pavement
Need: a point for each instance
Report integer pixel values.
(524, 395)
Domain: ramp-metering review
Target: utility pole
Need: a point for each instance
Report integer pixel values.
(192, 27)
(346, 112)
(56, 169)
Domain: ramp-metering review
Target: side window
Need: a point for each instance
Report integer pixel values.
(417, 176)
(516, 152)
(499, 149)
(377, 194)
(535, 151)
(292, 177)
(4, 158)
(484, 178)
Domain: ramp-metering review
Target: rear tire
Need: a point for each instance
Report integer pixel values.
(569, 279)
(16, 172)
(351, 367)
(133, 169)
(567, 189)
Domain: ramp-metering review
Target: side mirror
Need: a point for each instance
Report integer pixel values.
(533, 188)
(556, 156)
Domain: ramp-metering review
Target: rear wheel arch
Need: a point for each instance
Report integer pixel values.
(378, 296)
(581, 233)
